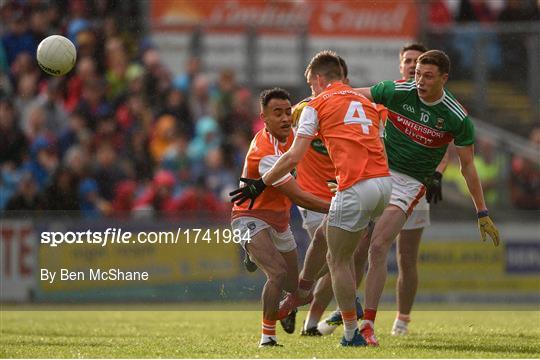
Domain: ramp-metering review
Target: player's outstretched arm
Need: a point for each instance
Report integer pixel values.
(288, 161)
(468, 170)
(364, 91)
(303, 198)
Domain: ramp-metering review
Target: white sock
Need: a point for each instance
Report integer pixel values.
(349, 332)
(350, 325)
(267, 338)
(400, 323)
(310, 321)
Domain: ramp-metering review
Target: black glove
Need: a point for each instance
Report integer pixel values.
(434, 188)
(251, 191)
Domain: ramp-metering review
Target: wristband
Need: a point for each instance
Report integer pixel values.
(482, 214)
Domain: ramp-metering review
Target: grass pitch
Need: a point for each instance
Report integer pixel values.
(235, 334)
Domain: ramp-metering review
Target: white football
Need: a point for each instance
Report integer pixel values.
(56, 55)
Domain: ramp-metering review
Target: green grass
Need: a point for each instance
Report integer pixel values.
(235, 334)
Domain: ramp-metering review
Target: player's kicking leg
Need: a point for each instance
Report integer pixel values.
(313, 263)
(341, 245)
(323, 292)
(281, 275)
(408, 244)
(348, 218)
(386, 229)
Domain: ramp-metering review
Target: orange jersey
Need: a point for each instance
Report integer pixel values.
(271, 206)
(349, 125)
(316, 167)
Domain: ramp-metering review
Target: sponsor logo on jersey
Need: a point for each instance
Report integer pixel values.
(419, 133)
(409, 108)
(319, 147)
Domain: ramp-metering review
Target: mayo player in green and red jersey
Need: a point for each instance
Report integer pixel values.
(423, 118)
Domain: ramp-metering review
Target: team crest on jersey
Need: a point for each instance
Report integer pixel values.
(319, 147)
(439, 124)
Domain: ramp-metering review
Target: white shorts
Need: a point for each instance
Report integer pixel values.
(310, 219)
(406, 192)
(419, 217)
(283, 241)
(353, 208)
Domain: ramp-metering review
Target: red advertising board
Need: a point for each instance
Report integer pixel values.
(382, 18)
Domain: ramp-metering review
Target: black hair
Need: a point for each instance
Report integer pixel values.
(275, 93)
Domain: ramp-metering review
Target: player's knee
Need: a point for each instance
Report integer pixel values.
(378, 252)
(319, 240)
(406, 264)
(278, 276)
(334, 260)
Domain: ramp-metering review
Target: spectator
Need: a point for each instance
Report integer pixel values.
(157, 80)
(243, 111)
(199, 101)
(13, 147)
(134, 113)
(525, 178)
(85, 71)
(43, 161)
(77, 161)
(61, 194)
(219, 177)
(18, 39)
(177, 161)
(516, 43)
(184, 81)
(207, 137)
(51, 101)
(92, 205)
(10, 178)
(477, 12)
(196, 200)
(163, 137)
(26, 95)
(28, 200)
(139, 153)
(177, 106)
(223, 101)
(107, 174)
(35, 124)
(489, 167)
(158, 198)
(117, 64)
(73, 133)
(124, 198)
(93, 104)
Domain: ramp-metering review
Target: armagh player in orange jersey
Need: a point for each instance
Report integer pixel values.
(313, 173)
(349, 126)
(264, 226)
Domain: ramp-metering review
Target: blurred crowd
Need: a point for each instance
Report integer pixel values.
(122, 134)
(445, 14)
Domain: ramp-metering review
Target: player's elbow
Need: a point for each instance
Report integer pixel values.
(292, 160)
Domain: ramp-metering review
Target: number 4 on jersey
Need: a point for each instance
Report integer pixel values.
(356, 115)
